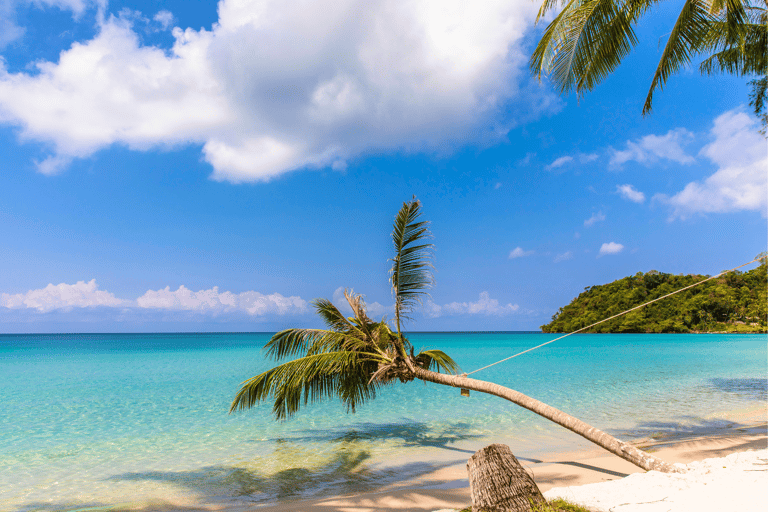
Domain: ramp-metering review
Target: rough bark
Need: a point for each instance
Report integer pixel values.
(498, 483)
(626, 451)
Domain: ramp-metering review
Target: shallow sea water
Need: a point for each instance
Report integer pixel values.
(99, 420)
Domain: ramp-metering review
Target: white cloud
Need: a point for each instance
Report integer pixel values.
(82, 295)
(212, 301)
(630, 193)
(651, 148)
(281, 85)
(610, 248)
(564, 256)
(583, 158)
(483, 306)
(164, 18)
(61, 296)
(9, 31)
(741, 181)
(596, 217)
(559, 162)
(518, 252)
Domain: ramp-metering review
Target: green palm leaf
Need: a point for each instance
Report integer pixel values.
(740, 49)
(411, 272)
(311, 378)
(437, 360)
(586, 41)
(332, 317)
(686, 39)
(292, 342)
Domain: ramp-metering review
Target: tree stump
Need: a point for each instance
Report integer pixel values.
(498, 483)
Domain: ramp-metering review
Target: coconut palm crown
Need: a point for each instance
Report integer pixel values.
(354, 356)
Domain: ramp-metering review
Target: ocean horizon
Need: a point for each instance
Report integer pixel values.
(95, 420)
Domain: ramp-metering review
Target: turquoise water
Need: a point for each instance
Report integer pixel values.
(97, 420)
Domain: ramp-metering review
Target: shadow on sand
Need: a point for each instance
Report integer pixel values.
(409, 434)
(703, 438)
(294, 472)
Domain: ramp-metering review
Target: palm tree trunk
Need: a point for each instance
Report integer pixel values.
(608, 442)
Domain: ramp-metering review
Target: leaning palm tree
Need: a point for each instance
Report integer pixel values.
(355, 356)
(588, 39)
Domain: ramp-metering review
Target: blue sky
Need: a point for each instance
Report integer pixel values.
(194, 166)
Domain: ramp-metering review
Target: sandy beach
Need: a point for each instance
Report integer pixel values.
(448, 488)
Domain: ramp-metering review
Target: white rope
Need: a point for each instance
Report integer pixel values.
(618, 315)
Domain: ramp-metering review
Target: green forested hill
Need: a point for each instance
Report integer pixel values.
(735, 302)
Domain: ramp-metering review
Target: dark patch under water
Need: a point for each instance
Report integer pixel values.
(753, 388)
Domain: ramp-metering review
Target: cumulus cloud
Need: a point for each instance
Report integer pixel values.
(61, 296)
(483, 306)
(596, 217)
(741, 181)
(213, 301)
(276, 86)
(164, 18)
(630, 193)
(610, 248)
(210, 302)
(518, 252)
(651, 148)
(563, 257)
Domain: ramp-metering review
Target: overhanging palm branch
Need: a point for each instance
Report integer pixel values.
(588, 39)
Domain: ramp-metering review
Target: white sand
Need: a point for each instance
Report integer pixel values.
(736, 483)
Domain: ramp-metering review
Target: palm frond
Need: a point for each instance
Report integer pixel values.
(437, 360)
(551, 41)
(747, 55)
(757, 100)
(547, 6)
(410, 275)
(686, 39)
(335, 341)
(292, 342)
(308, 379)
(587, 41)
(332, 317)
(734, 14)
(382, 335)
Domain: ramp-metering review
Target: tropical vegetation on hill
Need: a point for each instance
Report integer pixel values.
(356, 356)
(587, 40)
(735, 302)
